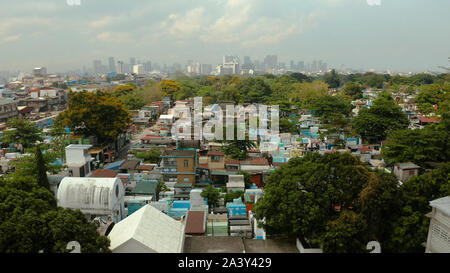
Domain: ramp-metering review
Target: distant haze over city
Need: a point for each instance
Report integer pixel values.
(400, 35)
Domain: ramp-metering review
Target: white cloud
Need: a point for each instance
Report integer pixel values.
(374, 2)
(114, 37)
(9, 39)
(188, 24)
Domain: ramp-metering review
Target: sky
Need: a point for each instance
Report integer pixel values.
(397, 35)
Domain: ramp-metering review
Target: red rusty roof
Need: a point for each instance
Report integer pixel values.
(145, 167)
(428, 120)
(195, 222)
(105, 173)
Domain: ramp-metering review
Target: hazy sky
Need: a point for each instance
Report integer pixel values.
(403, 35)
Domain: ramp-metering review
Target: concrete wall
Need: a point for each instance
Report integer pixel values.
(307, 250)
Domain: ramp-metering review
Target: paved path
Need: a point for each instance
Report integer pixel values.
(137, 138)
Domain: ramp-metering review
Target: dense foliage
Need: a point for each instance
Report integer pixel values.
(96, 114)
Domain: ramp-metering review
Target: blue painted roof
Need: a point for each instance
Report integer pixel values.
(114, 165)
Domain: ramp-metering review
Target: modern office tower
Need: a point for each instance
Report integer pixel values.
(230, 65)
(97, 65)
(148, 66)
(206, 69)
(271, 61)
(132, 61)
(314, 66)
(177, 67)
(120, 67)
(138, 69)
(247, 60)
(292, 66)
(112, 64)
(301, 66)
(247, 63)
(39, 72)
(231, 60)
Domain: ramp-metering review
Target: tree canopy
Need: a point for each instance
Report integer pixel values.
(22, 132)
(96, 114)
(30, 220)
(331, 200)
(384, 116)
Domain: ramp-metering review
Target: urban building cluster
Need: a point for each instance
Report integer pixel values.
(158, 207)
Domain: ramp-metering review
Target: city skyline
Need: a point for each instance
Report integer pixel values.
(353, 33)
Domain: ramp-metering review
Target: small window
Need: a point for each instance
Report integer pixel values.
(411, 172)
(186, 163)
(186, 179)
(117, 191)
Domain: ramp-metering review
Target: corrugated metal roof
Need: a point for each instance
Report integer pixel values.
(195, 222)
(149, 228)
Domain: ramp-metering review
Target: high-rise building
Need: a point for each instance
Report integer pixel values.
(148, 66)
(138, 69)
(247, 63)
(271, 62)
(132, 61)
(301, 66)
(230, 65)
(97, 64)
(39, 72)
(206, 69)
(120, 67)
(112, 64)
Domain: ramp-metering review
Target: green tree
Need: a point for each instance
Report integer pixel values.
(373, 80)
(332, 79)
(30, 221)
(327, 106)
(305, 194)
(212, 194)
(151, 156)
(59, 136)
(345, 234)
(287, 126)
(384, 116)
(432, 94)
(132, 101)
(22, 132)
(410, 229)
(170, 87)
(354, 90)
(430, 144)
(123, 90)
(253, 89)
(230, 196)
(247, 179)
(41, 168)
(305, 92)
(96, 114)
(238, 149)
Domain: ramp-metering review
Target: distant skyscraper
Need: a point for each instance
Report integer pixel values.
(247, 63)
(97, 64)
(271, 61)
(39, 72)
(132, 61)
(301, 66)
(138, 69)
(112, 64)
(230, 65)
(148, 66)
(120, 68)
(206, 69)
